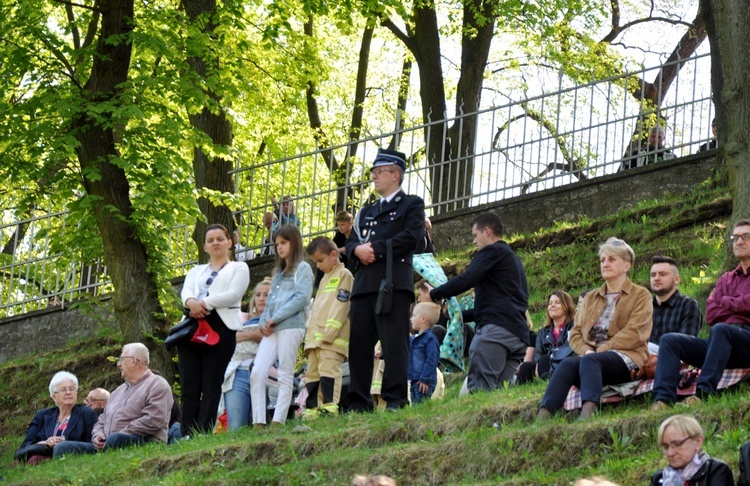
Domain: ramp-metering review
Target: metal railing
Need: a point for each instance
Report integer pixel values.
(551, 140)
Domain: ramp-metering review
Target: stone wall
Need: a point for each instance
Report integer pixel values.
(53, 327)
(591, 198)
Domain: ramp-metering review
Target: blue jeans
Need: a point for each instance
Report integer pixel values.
(417, 396)
(589, 373)
(726, 348)
(114, 441)
(237, 400)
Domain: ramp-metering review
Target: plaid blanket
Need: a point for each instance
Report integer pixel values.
(616, 393)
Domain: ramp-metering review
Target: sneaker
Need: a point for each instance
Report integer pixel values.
(658, 406)
(329, 409)
(310, 414)
(692, 401)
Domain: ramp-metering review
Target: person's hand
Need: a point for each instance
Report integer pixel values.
(98, 442)
(198, 310)
(423, 387)
(377, 354)
(52, 441)
(365, 253)
(267, 328)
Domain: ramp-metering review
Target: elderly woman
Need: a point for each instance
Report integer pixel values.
(66, 420)
(554, 334)
(610, 335)
(681, 437)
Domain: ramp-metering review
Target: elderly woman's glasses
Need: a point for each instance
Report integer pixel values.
(71, 389)
(676, 444)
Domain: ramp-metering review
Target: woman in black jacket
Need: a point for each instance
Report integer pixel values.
(554, 334)
(681, 437)
(65, 421)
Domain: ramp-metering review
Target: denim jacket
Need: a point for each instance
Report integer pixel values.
(289, 297)
(423, 358)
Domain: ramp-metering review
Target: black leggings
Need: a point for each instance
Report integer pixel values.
(202, 370)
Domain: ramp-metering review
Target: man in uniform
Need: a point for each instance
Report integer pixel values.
(397, 217)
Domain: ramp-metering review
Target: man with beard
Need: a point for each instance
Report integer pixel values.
(728, 314)
(673, 311)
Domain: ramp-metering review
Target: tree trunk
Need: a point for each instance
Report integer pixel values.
(135, 301)
(340, 172)
(211, 173)
(727, 22)
(426, 50)
(478, 30)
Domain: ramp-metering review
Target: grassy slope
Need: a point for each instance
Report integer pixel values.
(487, 438)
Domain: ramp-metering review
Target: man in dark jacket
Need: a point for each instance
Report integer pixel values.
(398, 218)
(499, 282)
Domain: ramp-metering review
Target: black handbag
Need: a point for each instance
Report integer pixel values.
(559, 354)
(25, 452)
(385, 293)
(181, 332)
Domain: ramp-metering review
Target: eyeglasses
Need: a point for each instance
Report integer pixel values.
(119, 360)
(67, 390)
(211, 278)
(676, 444)
(735, 238)
(89, 399)
(378, 172)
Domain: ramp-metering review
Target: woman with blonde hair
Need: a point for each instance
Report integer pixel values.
(610, 334)
(236, 387)
(681, 438)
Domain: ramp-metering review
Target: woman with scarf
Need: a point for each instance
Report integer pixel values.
(681, 437)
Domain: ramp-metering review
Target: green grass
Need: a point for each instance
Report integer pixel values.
(485, 438)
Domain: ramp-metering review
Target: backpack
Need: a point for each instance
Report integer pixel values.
(744, 479)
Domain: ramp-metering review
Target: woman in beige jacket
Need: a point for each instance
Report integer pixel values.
(610, 334)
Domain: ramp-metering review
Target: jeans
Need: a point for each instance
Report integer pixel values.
(283, 345)
(417, 396)
(237, 400)
(589, 373)
(114, 441)
(726, 348)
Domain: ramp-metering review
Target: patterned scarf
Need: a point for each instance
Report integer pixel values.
(678, 477)
(452, 349)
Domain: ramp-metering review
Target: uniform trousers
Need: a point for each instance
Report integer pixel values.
(392, 330)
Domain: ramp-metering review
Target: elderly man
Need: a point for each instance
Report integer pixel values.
(728, 314)
(499, 281)
(673, 311)
(395, 220)
(653, 152)
(137, 412)
(97, 399)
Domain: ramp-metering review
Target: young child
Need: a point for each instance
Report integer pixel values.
(282, 325)
(425, 352)
(327, 339)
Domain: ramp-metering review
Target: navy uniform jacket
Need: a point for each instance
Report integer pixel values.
(80, 424)
(402, 221)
